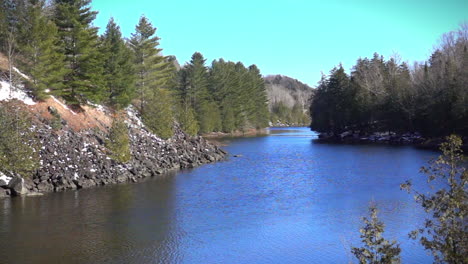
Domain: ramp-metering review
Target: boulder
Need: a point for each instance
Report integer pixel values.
(45, 187)
(17, 186)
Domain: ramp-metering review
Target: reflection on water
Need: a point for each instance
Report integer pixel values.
(286, 200)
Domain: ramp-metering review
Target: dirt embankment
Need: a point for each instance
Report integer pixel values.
(73, 154)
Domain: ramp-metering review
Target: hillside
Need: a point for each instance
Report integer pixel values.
(72, 149)
(284, 95)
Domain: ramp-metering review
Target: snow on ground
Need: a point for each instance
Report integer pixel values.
(97, 106)
(8, 93)
(134, 121)
(62, 104)
(5, 178)
(20, 73)
(132, 114)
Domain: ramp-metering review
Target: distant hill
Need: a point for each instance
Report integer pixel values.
(288, 100)
(287, 90)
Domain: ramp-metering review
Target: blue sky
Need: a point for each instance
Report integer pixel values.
(297, 38)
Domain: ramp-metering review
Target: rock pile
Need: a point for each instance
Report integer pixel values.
(72, 160)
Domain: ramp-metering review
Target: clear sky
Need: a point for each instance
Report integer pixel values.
(297, 38)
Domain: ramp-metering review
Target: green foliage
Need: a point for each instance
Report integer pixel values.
(38, 41)
(240, 94)
(330, 107)
(80, 44)
(227, 96)
(445, 233)
(56, 121)
(292, 116)
(153, 70)
(228, 121)
(18, 154)
(118, 142)
(118, 67)
(158, 115)
(376, 249)
(186, 117)
(384, 95)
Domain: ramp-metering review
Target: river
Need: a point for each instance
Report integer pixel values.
(286, 199)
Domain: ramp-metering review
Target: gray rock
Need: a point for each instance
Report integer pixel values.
(4, 193)
(17, 186)
(45, 187)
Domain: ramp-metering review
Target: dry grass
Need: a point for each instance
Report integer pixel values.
(87, 118)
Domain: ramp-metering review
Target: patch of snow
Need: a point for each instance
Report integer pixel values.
(75, 176)
(97, 106)
(63, 105)
(5, 178)
(22, 74)
(7, 93)
(132, 114)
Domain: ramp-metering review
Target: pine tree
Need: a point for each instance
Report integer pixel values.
(18, 154)
(260, 115)
(118, 142)
(79, 42)
(186, 117)
(42, 61)
(153, 70)
(376, 249)
(12, 13)
(118, 67)
(228, 120)
(158, 115)
(198, 85)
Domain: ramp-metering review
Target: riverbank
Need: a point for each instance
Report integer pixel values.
(74, 156)
(237, 133)
(389, 138)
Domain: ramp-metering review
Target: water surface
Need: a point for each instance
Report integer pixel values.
(285, 200)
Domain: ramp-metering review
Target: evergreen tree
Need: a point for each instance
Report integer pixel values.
(445, 232)
(376, 249)
(42, 61)
(196, 91)
(153, 70)
(158, 115)
(118, 142)
(259, 114)
(228, 120)
(18, 153)
(186, 117)
(80, 44)
(197, 81)
(118, 67)
(331, 105)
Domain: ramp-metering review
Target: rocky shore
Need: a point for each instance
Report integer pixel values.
(71, 160)
(392, 138)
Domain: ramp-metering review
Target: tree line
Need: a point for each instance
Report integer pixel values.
(57, 46)
(389, 95)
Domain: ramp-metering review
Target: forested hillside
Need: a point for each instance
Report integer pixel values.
(390, 95)
(55, 44)
(288, 100)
